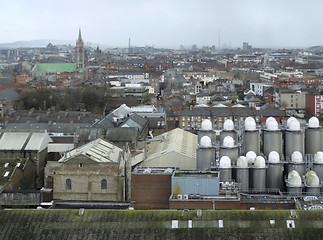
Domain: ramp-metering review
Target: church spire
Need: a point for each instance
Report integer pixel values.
(80, 52)
(80, 35)
(80, 40)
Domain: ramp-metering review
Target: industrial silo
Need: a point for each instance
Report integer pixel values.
(205, 154)
(294, 138)
(312, 186)
(225, 169)
(272, 137)
(296, 163)
(294, 183)
(242, 173)
(259, 175)
(251, 136)
(229, 149)
(313, 136)
(318, 165)
(228, 130)
(206, 130)
(251, 156)
(275, 172)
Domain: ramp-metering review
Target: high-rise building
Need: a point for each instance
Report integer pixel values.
(80, 52)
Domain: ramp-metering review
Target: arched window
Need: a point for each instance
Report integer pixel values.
(104, 184)
(68, 184)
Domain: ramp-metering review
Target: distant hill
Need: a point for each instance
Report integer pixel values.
(35, 43)
(316, 49)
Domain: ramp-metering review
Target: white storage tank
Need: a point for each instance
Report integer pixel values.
(294, 183)
(272, 137)
(313, 136)
(206, 130)
(275, 172)
(228, 130)
(294, 138)
(259, 175)
(296, 163)
(205, 154)
(251, 136)
(313, 186)
(242, 173)
(318, 165)
(225, 169)
(230, 149)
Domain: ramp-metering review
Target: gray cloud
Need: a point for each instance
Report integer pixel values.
(268, 23)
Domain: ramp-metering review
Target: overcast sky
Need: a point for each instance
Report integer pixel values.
(166, 23)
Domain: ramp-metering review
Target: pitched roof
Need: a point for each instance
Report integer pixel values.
(54, 67)
(119, 134)
(99, 150)
(9, 95)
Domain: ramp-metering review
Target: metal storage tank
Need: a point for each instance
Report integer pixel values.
(228, 148)
(272, 137)
(294, 183)
(313, 136)
(313, 186)
(251, 136)
(205, 154)
(242, 173)
(251, 156)
(294, 138)
(228, 130)
(225, 169)
(259, 175)
(318, 165)
(206, 130)
(275, 172)
(296, 163)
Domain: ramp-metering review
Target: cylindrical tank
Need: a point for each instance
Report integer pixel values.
(225, 169)
(206, 130)
(251, 156)
(296, 163)
(228, 130)
(272, 137)
(313, 186)
(251, 136)
(275, 172)
(242, 173)
(294, 183)
(294, 138)
(228, 148)
(259, 175)
(205, 154)
(313, 136)
(318, 165)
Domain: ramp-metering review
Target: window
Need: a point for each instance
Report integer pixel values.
(81, 165)
(104, 184)
(68, 184)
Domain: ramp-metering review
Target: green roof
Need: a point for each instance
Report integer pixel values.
(54, 67)
(136, 224)
(1, 67)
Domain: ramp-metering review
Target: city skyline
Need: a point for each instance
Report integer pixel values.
(166, 24)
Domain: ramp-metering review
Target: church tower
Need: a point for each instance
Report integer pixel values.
(80, 52)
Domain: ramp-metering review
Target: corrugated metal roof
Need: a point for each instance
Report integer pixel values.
(38, 142)
(177, 140)
(98, 150)
(13, 141)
